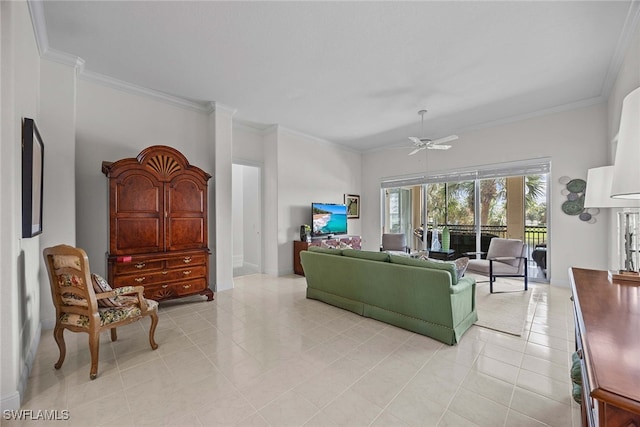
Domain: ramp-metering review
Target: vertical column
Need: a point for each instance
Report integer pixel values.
(515, 207)
(221, 124)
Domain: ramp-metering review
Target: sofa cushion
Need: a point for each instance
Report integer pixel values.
(370, 255)
(428, 263)
(331, 251)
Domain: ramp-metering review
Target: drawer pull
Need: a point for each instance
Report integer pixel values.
(186, 286)
(165, 272)
(187, 259)
(140, 265)
(139, 279)
(165, 286)
(186, 272)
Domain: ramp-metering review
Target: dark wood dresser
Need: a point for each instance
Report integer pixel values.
(354, 242)
(607, 316)
(158, 224)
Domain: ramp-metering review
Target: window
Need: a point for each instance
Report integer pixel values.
(508, 200)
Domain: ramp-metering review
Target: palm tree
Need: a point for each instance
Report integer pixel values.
(453, 202)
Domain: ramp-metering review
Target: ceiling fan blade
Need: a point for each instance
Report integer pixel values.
(445, 139)
(438, 147)
(415, 140)
(416, 150)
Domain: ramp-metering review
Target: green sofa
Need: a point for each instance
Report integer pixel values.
(422, 296)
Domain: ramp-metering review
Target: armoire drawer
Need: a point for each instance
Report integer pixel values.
(138, 266)
(186, 260)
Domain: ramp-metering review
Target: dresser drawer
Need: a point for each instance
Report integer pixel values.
(138, 266)
(185, 273)
(143, 278)
(189, 287)
(186, 260)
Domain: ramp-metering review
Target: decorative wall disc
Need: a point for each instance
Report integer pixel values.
(575, 192)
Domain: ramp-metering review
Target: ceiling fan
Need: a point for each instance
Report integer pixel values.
(430, 144)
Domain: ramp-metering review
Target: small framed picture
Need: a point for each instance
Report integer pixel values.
(353, 205)
(32, 179)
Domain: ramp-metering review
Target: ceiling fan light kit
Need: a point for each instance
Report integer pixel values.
(429, 144)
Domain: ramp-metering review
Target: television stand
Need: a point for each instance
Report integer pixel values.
(354, 241)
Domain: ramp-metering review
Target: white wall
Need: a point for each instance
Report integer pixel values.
(238, 213)
(311, 170)
(252, 233)
(19, 258)
(246, 217)
(112, 125)
(58, 129)
(574, 140)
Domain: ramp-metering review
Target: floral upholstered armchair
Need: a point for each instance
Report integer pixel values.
(85, 302)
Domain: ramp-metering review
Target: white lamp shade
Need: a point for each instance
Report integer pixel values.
(598, 192)
(626, 173)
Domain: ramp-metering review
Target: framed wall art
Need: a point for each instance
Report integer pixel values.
(353, 205)
(32, 178)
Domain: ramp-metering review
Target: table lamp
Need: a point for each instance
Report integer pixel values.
(598, 195)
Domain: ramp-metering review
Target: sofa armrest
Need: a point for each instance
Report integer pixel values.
(463, 284)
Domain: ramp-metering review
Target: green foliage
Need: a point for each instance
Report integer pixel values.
(453, 203)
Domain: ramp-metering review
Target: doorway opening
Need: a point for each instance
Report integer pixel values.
(247, 219)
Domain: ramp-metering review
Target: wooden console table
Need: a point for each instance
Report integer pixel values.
(607, 316)
(354, 241)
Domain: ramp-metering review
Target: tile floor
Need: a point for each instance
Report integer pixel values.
(263, 355)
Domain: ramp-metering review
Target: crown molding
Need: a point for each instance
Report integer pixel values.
(299, 134)
(631, 24)
(39, 28)
(217, 106)
(251, 126)
(36, 11)
(107, 81)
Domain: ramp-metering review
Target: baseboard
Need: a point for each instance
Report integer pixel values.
(238, 261)
(13, 402)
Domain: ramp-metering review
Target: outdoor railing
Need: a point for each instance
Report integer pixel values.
(535, 235)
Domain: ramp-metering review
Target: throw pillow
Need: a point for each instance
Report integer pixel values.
(344, 245)
(327, 245)
(461, 265)
(100, 285)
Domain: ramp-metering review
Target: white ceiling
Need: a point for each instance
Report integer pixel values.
(356, 73)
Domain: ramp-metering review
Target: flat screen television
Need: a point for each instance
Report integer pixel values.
(328, 218)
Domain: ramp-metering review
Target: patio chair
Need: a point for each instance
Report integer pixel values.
(85, 302)
(394, 242)
(505, 258)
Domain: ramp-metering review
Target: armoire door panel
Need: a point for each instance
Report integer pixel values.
(185, 233)
(138, 193)
(185, 195)
(137, 235)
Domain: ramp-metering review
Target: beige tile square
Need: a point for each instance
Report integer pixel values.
(288, 409)
(480, 410)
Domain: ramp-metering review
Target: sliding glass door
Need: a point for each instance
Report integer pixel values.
(494, 203)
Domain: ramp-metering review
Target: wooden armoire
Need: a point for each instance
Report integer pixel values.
(158, 224)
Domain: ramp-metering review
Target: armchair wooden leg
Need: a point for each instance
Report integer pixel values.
(114, 334)
(58, 335)
(152, 330)
(94, 348)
